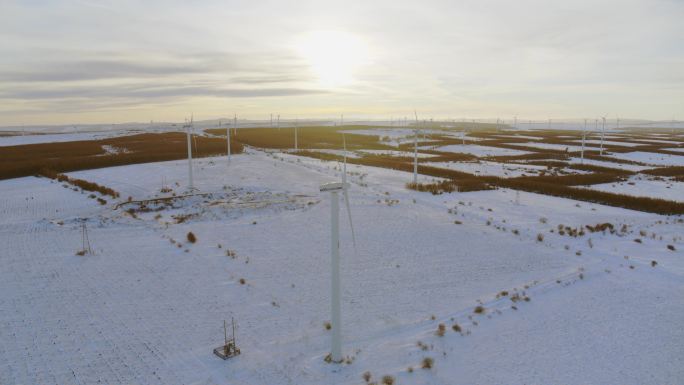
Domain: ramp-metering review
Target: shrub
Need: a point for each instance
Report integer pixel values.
(441, 329)
(427, 363)
(387, 380)
(540, 237)
(456, 328)
(191, 237)
(367, 376)
(654, 263)
(327, 325)
(479, 310)
(671, 247)
(242, 281)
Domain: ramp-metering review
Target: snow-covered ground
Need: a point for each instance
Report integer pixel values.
(551, 146)
(490, 168)
(645, 186)
(397, 153)
(478, 150)
(597, 142)
(148, 306)
(54, 138)
(651, 158)
(623, 166)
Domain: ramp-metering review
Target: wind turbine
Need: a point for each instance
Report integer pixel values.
(584, 132)
(235, 124)
(603, 132)
(228, 142)
(415, 151)
(188, 127)
(295, 132)
(335, 309)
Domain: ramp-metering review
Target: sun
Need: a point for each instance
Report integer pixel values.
(334, 56)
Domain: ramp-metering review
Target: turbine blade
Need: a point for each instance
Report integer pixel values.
(351, 223)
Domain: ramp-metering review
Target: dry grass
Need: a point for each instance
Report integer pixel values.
(30, 159)
(83, 184)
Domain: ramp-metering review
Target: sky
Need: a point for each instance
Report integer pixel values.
(66, 62)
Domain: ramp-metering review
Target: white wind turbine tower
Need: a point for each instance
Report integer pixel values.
(603, 132)
(228, 141)
(295, 132)
(235, 124)
(335, 309)
(584, 133)
(188, 128)
(415, 151)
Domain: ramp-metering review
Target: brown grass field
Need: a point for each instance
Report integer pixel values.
(25, 160)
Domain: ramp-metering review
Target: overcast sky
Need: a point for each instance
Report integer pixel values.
(121, 61)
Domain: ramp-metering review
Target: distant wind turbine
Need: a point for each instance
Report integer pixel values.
(295, 132)
(188, 127)
(603, 132)
(584, 134)
(228, 141)
(415, 151)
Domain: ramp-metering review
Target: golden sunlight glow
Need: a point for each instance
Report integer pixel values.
(334, 56)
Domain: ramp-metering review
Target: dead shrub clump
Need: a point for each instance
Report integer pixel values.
(387, 380)
(367, 376)
(191, 237)
(441, 329)
(427, 363)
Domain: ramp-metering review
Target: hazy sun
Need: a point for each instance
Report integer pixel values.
(334, 56)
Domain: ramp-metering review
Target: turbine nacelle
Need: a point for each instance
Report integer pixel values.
(334, 186)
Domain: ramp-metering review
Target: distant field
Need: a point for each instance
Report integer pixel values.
(452, 154)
